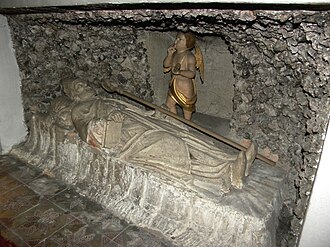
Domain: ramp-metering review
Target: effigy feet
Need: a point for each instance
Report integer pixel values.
(238, 171)
(242, 165)
(250, 153)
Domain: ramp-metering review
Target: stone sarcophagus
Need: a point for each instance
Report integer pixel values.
(155, 172)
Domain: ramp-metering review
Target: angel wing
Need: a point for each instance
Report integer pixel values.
(199, 62)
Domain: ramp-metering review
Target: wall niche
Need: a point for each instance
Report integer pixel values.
(215, 95)
(278, 82)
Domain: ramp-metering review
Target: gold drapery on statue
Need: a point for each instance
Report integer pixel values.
(187, 104)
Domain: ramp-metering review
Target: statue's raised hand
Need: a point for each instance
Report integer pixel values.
(171, 50)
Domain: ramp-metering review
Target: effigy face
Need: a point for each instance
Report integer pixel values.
(153, 170)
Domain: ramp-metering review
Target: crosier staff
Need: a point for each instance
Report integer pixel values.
(113, 88)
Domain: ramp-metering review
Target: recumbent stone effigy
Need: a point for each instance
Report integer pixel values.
(154, 171)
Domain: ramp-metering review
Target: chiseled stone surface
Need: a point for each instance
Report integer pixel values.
(246, 217)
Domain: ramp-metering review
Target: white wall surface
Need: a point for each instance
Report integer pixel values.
(12, 126)
(316, 229)
(39, 3)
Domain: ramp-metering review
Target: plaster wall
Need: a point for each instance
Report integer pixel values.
(317, 222)
(156, 46)
(12, 127)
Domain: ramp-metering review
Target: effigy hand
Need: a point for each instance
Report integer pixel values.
(116, 117)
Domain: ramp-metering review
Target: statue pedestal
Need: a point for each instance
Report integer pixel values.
(246, 217)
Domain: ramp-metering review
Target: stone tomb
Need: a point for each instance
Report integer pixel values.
(156, 172)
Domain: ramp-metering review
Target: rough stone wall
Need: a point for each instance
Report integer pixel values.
(49, 50)
(281, 69)
(282, 93)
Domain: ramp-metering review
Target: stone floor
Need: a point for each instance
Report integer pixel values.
(37, 210)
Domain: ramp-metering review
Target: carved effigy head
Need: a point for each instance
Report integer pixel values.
(78, 90)
(60, 112)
